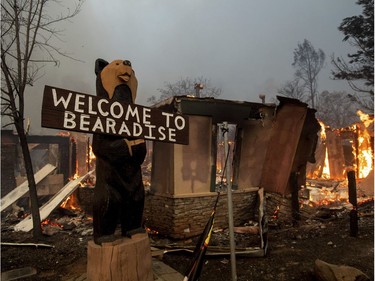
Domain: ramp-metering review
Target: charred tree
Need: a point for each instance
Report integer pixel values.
(27, 26)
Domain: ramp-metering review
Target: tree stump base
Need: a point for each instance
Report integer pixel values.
(126, 259)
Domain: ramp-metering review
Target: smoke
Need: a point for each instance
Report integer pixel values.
(243, 47)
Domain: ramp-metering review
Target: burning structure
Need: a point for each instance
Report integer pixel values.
(56, 150)
(342, 150)
(270, 149)
(57, 161)
(276, 155)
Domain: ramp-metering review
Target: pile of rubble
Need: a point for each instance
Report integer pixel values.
(60, 220)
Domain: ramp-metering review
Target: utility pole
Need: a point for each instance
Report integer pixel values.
(230, 207)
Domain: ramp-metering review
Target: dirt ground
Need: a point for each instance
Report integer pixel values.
(292, 251)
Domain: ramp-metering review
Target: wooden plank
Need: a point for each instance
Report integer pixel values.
(36, 245)
(73, 111)
(282, 146)
(255, 140)
(335, 155)
(16, 193)
(27, 224)
(306, 148)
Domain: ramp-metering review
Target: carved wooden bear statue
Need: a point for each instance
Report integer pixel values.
(119, 192)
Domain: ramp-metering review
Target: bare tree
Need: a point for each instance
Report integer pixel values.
(308, 62)
(293, 89)
(28, 31)
(358, 71)
(185, 87)
(336, 109)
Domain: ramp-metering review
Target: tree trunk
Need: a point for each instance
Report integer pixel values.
(312, 94)
(37, 230)
(126, 259)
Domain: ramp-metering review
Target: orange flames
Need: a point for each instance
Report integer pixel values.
(362, 148)
(360, 139)
(71, 203)
(323, 137)
(50, 222)
(327, 195)
(343, 149)
(91, 156)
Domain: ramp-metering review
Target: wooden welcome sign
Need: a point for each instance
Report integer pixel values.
(73, 111)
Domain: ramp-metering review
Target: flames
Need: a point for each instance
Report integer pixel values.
(359, 135)
(362, 148)
(71, 203)
(327, 195)
(50, 222)
(91, 158)
(338, 151)
(88, 158)
(326, 174)
(323, 137)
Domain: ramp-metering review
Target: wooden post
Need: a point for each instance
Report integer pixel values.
(293, 181)
(126, 259)
(353, 200)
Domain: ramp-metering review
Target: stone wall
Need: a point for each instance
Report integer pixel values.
(180, 217)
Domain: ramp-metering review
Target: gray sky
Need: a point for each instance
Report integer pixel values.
(244, 47)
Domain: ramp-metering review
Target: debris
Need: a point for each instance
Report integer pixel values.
(27, 224)
(247, 229)
(329, 272)
(224, 261)
(27, 244)
(50, 230)
(23, 188)
(87, 232)
(324, 213)
(18, 273)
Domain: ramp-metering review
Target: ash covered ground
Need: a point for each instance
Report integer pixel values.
(292, 248)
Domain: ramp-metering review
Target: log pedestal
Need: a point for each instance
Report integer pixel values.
(126, 259)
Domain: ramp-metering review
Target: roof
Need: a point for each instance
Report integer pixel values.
(220, 110)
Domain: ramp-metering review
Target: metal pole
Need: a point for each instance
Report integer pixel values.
(230, 208)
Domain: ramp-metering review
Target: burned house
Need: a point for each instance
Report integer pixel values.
(55, 160)
(273, 148)
(270, 149)
(346, 149)
(55, 150)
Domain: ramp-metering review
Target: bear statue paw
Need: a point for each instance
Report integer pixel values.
(105, 239)
(130, 233)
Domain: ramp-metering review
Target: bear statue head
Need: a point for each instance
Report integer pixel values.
(111, 75)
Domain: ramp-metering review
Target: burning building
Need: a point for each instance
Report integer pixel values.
(346, 148)
(56, 161)
(271, 147)
(342, 150)
(58, 151)
(273, 150)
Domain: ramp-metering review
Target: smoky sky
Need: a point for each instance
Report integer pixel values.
(244, 47)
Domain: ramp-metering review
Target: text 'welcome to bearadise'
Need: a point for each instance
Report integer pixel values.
(67, 110)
